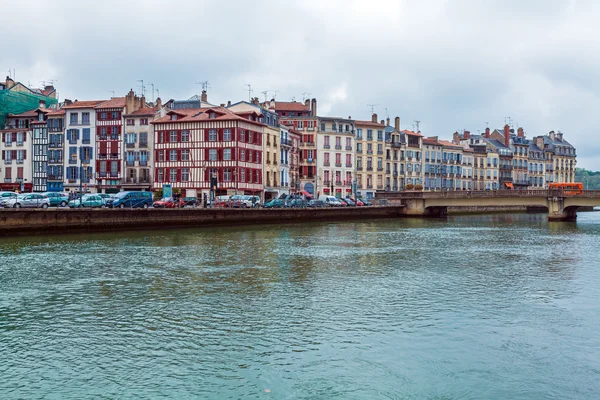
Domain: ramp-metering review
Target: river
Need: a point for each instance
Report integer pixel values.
(472, 307)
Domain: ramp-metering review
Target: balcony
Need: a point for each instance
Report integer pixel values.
(359, 168)
(380, 169)
(20, 161)
(8, 161)
(326, 163)
(307, 144)
(396, 144)
(55, 145)
(143, 163)
(348, 165)
(338, 164)
(8, 144)
(379, 152)
(55, 177)
(369, 151)
(338, 183)
(369, 186)
(130, 163)
(395, 173)
(349, 148)
(130, 145)
(338, 146)
(55, 160)
(20, 143)
(143, 145)
(326, 146)
(326, 183)
(387, 171)
(369, 168)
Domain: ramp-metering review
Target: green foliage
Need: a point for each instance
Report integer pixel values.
(158, 194)
(418, 186)
(409, 186)
(590, 179)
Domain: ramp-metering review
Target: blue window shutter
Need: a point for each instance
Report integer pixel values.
(91, 153)
(77, 132)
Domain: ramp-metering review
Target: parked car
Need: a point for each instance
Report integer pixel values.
(57, 199)
(244, 201)
(330, 201)
(88, 201)
(168, 202)
(357, 202)
(297, 203)
(275, 203)
(26, 200)
(222, 201)
(130, 200)
(316, 204)
(190, 202)
(366, 202)
(4, 195)
(348, 202)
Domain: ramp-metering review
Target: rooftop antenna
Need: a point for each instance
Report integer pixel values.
(305, 96)
(143, 87)
(51, 81)
(249, 91)
(266, 92)
(506, 120)
(113, 93)
(205, 85)
(157, 93)
(387, 115)
(152, 84)
(372, 108)
(413, 126)
(418, 123)
(487, 124)
(275, 95)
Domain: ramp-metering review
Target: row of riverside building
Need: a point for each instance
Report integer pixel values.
(269, 149)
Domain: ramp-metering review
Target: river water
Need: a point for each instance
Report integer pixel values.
(473, 307)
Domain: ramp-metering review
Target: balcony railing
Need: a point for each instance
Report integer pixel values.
(129, 163)
(55, 177)
(143, 145)
(55, 145)
(8, 144)
(55, 160)
(143, 163)
(326, 146)
(348, 165)
(326, 163)
(349, 148)
(338, 164)
(130, 145)
(338, 146)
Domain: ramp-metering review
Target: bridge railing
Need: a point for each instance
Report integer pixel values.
(467, 194)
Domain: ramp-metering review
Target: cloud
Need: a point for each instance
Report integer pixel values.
(450, 64)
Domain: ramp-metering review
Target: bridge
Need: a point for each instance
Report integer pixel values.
(562, 205)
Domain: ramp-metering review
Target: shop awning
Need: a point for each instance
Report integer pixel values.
(509, 185)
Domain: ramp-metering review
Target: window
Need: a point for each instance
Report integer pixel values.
(85, 118)
(185, 174)
(359, 134)
(242, 175)
(227, 154)
(212, 154)
(379, 136)
(242, 136)
(144, 138)
(115, 131)
(227, 175)
(131, 138)
(322, 126)
(338, 158)
(369, 134)
(102, 115)
(144, 121)
(86, 135)
(160, 174)
(242, 155)
(326, 139)
(173, 177)
(227, 135)
(173, 155)
(73, 118)
(115, 115)
(173, 136)
(359, 162)
(212, 115)
(185, 136)
(161, 155)
(114, 167)
(130, 121)
(250, 137)
(300, 124)
(212, 135)
(185, 155)
(173, 117)
(325, 159)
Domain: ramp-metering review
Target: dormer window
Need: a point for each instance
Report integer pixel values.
(173, 117)
(212, 115)
(40, 117)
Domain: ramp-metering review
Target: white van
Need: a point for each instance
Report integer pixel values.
(331, 201)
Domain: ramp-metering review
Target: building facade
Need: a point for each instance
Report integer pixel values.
(56, 150)
(16, 149)
(369, 140)
(191, 146)
(335, 155)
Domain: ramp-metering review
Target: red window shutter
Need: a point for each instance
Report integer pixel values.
(3, 154)
(24, 154)
(206, 155)
(206, 135)
(234, 153)
(4, 137)
(206, 175)
(14, 154)
(179, 152)
(114, 147)
(233, 133)
(179, 172)
(221, 135)
(179, 137)
(24, 136)
(167, 176)
(220, 175)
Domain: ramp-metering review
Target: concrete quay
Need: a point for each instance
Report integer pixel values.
(37, 221)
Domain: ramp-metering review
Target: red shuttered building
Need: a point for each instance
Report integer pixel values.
(192, 144)
(109, 141)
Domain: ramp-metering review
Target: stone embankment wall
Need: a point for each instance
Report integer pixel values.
(494, 209)
(25, 222)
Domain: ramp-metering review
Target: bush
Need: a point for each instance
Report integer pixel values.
(409, 186)
(418, 186)
(158, 194)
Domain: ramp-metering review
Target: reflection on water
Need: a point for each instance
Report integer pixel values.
(485, 306)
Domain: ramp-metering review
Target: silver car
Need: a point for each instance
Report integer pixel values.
(26, 200)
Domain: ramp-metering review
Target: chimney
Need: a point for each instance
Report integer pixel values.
(142, 102)
(397, 124)
(382, 122)
(68, 102)
(507, 135)
(204, 97)
(388, 121)
(228, 103)
(9, 82)
(222, 104)
(374, 118)
(307, 103)
(487, 133)
(313, 108)
(158, 103)
(551, 135)
(559, 135)
(129, 102)
(467, 135)
(42, 104)
(520, 132)
(255, 101)
(349, 116)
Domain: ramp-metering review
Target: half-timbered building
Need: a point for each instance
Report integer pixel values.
(191, 145)
(109, 140)
(56, 150)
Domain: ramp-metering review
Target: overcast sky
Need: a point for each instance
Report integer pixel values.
(452, 65)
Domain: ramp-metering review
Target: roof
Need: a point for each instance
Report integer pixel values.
(290, 106)
(56, 113)
(142, 112)
(84, 104)
(203, 114)
(369, 123)
(431, 142)
(31, 113)
(412, 133)
(115, 102)
(446, 143)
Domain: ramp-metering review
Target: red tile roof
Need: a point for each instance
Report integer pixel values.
(290, 106)
(84, 104)
(369, 123)
(31, 113)
(431, 142)
(56, 113)
(115, 102)
(450, 144)
(203, 114)
(412, 133)
(147, 111)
